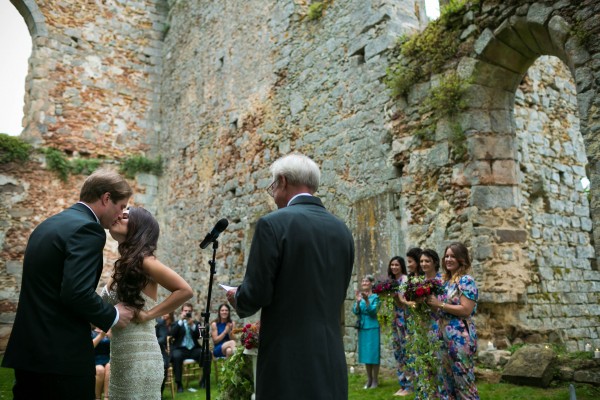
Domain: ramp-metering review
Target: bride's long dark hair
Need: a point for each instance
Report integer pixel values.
(128, 277)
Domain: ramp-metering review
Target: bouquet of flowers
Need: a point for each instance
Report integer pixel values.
(386, 289)
(418, 288)
(422, 341)
(249, 336)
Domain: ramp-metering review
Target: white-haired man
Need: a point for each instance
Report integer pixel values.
(298, 272)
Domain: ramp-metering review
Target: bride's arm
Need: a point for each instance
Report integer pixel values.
(170, 280)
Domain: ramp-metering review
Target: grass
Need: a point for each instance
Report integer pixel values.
(387, 387)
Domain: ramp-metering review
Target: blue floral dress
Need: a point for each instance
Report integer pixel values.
(459, 343)
(399, 342)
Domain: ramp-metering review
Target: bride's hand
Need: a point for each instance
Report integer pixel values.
(141, 316)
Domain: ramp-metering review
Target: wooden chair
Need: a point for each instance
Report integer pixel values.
(191, 370)
(170, 382)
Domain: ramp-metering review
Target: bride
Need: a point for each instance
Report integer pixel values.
(137, 368)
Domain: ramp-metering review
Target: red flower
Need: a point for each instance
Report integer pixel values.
(420, 292)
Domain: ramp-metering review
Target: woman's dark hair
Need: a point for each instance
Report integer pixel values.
(434, 257)
(218, 319)
(402, 266)
(415, 254)
(129, 277)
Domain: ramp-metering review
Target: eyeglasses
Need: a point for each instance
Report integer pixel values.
(271, 188)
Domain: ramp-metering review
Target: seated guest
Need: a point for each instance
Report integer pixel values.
(163, 331)
(185, 342)
(101, 342)
(222, 332)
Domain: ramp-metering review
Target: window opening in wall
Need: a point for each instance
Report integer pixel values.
(432, 9)
(553, 161)
(15, 48)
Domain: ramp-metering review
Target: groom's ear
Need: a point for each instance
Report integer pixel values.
(105, 198)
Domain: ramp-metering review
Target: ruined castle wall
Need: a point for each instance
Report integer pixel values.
(553, 163)
(222, 89)
(91, 92)
(254, 81)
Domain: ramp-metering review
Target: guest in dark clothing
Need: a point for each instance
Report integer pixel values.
(164, 327)
(101, 342)
(185, 342)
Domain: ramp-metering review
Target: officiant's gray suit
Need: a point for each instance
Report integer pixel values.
(298, 272)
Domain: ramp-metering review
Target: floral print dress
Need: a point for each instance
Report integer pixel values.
(399, 342)
(459, 342)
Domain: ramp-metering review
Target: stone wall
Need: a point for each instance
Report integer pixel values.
(222, 89)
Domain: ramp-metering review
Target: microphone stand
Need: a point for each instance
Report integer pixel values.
(206, 356)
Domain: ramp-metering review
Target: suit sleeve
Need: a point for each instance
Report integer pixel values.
(256, 290)
(78, 288)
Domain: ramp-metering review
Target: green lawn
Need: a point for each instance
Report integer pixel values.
(387, 387)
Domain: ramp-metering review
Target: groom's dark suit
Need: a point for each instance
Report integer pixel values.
(298, 272)
(61, 269)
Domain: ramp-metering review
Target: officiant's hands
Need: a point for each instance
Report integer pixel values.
(231, 297)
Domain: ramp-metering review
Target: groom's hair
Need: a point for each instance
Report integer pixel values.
(102, 181)
(188, 305)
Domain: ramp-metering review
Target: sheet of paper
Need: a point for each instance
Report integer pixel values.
(227, 288)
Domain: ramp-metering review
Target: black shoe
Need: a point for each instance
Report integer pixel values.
(179, 389)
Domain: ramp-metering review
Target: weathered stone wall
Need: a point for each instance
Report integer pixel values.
(244, 82)
(91, 91)
(553, 163)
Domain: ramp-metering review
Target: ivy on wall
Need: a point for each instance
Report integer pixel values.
(428, 53)
(14, 149)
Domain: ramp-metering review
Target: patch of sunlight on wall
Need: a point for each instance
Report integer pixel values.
(15, 49)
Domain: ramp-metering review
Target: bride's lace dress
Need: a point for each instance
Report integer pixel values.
(136, 364)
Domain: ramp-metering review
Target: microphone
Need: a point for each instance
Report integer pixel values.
(214, 234)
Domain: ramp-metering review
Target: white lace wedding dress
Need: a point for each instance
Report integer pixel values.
(136, 364)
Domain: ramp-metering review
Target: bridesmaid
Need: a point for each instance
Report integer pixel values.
(457, 328)
(397, 271)
(405, 375)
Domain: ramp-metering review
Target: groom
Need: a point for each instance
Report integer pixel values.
(50, 347)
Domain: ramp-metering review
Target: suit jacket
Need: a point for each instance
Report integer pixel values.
(178, 333)
(298, 272)
(58, 299)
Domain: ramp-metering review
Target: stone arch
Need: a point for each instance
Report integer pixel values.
(36, 23)
(502, 58)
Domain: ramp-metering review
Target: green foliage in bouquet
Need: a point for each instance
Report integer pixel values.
(422, 342)
(386, 290)
(236, 378)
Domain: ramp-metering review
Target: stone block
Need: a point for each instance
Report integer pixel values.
(492, 147)
(508, 36)
(495, 76)
(587, 376)
(488, 197)
(536, 17)
(521, 26)
(497, 52)
(531, 366)
(559, 31)
(511, 235)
